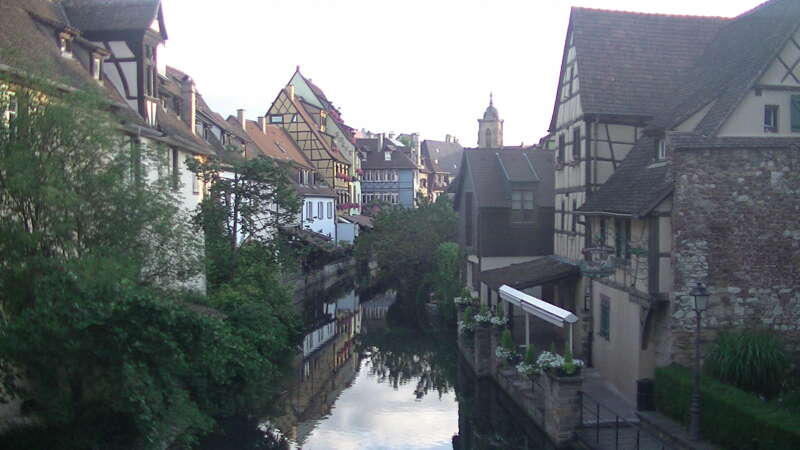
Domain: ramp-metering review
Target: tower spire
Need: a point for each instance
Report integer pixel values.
(491, 98)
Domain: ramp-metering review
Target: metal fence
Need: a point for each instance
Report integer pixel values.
(602, 428)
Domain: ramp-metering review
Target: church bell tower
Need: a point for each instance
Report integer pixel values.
(490, 128)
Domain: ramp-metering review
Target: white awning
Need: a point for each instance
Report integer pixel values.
(539, 308)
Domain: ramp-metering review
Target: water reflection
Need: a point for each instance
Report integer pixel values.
(361, 384)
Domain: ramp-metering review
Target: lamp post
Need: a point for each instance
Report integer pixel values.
(699, 296)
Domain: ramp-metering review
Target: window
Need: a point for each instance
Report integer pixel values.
(562, 144)
(97, 64)
(576, 144)
(661, 149)
(275, 118)
(320, 212)
(65, 44)
(300, 177)
(9, 107)
(309, 210)
(387, 156)
(522, 206)
(605, 317)
(622, 238)
(603, 231)
(175, 169)
(770, 118)
(574, 216)
(195, 184)
(294, 118)
(795, 113)
(330, 210)
(468, 215)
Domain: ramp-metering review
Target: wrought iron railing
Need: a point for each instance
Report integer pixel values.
(603, 428)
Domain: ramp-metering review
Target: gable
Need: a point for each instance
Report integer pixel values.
(784, 70)
(568, 102)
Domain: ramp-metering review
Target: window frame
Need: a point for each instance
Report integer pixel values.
(275, 119)
(771, 111)
(605, 317)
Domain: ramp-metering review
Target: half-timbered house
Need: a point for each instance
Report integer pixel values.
(343, 135)
(707, 194)
(307, 125)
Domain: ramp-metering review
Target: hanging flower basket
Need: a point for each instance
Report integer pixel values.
(597, 263)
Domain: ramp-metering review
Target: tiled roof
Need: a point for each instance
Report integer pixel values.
(628, 63)
(29, 44)
(528, 274)
(731, 64)
(447, 153)
(276, 144)
(636, 187)
(377, 160)
(179, 133)
(107, 15)
(363, 221)
(724, 73)
(493, 170)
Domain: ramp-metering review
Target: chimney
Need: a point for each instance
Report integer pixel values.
(290, 91)
(391, 135)
(189, 97)
(447, 138)
(262, 124)
(380, 142)
(240, 116)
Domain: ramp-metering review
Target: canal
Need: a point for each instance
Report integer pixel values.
(363, 382)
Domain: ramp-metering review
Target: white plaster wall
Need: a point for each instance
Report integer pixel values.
(323, 225)
(748, 118)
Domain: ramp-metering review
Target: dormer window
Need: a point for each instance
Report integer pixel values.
(770, 118)
(97, 66)
(661, 150)
(522, 206)
(65, 44)
(387, 156)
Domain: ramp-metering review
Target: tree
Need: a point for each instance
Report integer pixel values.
(92, 242)
(447, 280)
(249, 201)
(404, 244)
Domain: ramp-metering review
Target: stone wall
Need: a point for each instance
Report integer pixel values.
(737, 229)
(552, 403)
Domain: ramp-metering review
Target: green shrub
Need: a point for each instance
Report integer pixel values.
(530, 356)
(507, 342)
(730, 417)
(753, 361)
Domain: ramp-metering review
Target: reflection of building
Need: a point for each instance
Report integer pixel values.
(328, 364)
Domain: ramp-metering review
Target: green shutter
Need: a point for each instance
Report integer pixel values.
(796, 113)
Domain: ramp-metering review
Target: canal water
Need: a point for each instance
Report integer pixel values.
(364, 384)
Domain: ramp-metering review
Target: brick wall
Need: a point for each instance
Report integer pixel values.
(736, 221)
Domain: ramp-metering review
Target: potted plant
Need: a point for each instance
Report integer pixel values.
(528, 368)
(506, 352)
(562, 366)
(466, 325)
(483, 318)
(499, 319)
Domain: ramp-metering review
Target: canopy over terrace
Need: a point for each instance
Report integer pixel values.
(541, 309)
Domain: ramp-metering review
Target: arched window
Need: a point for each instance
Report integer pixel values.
(489, 142)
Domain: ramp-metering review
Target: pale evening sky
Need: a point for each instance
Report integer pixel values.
(426, 66)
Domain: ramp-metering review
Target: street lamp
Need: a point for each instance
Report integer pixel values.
(699, 296)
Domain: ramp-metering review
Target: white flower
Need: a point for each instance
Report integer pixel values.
(462, 300)
(465, 326)
(483, 318)
(527, 369)
(499, 321)
(502, 353)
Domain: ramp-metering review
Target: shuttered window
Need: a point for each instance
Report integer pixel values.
(795, 113)
(605, 317)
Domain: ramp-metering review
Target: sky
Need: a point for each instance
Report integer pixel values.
(401, 66)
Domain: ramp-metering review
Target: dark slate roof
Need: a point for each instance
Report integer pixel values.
(28, 43)
(111, 15)
(732, 64)
(529, 274)
(636, 187)
(447, 153)
(724, 73)
(377, 160)
(493, 170)
(628, 63)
